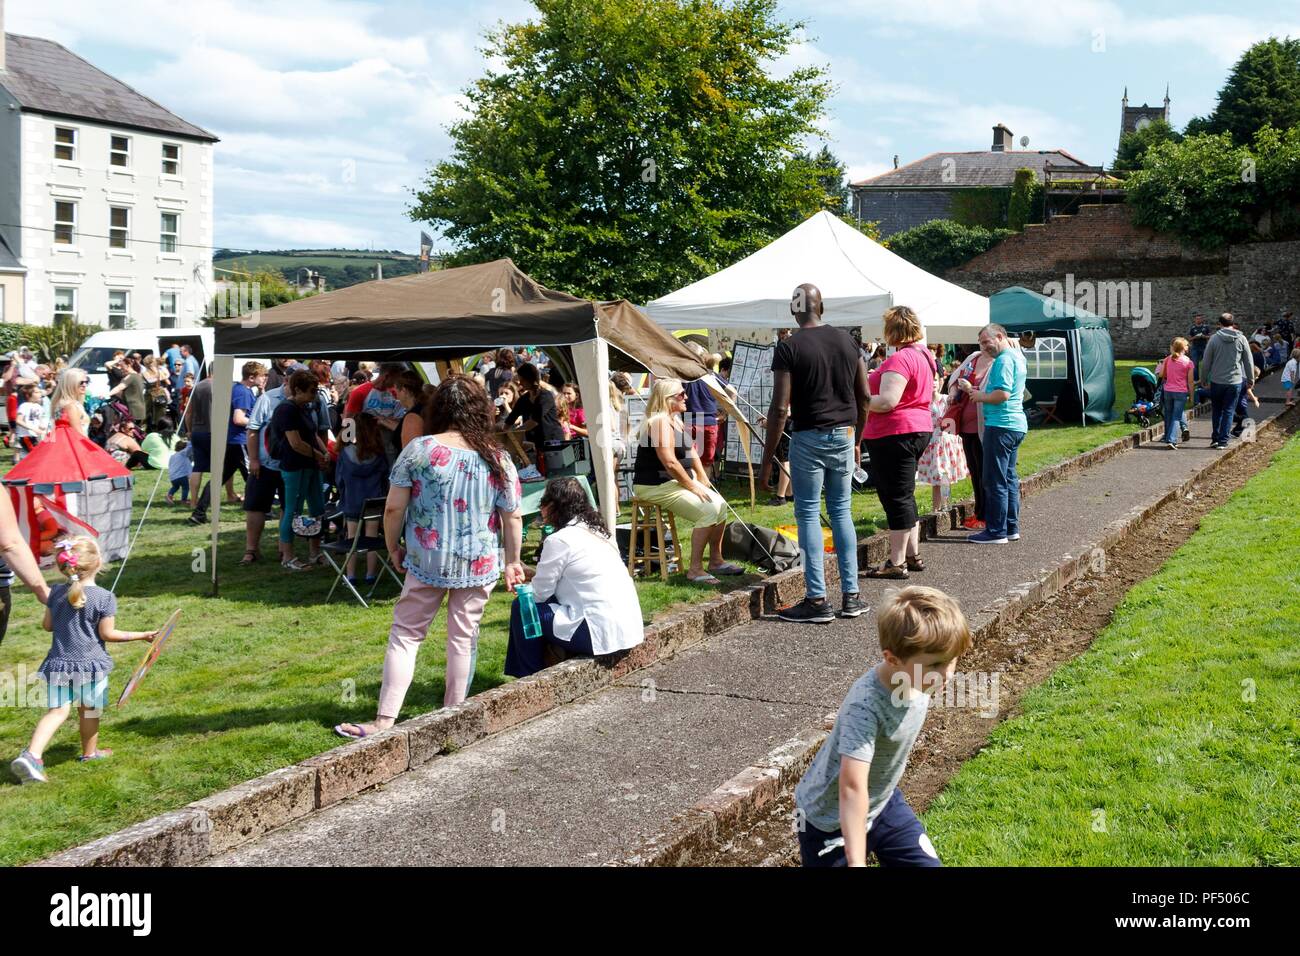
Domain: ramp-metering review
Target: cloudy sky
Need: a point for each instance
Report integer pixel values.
(329, 111)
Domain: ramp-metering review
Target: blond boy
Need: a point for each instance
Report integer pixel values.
(848, 800)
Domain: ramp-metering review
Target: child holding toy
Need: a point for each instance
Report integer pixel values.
(82, 617)
(848, 801)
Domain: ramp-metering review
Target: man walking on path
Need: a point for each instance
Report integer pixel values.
(1005, 426)
(1229, 368)
(818, 374)
(1199, 335)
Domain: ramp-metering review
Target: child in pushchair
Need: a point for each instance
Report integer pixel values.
(1147, 400)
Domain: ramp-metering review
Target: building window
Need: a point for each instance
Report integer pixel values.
(65, 305)
(1047, 358)
(119, 153)
(169, 230)
(171, 159)
(119, 226)
(65, 222)
(65, 144)
(118, 301)
(167, 310)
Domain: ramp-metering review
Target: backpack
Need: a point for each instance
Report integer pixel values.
(763, 547)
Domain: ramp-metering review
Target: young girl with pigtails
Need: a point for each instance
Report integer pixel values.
(81, 616)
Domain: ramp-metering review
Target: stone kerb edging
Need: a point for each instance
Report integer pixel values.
(243, 813)
(714, 819)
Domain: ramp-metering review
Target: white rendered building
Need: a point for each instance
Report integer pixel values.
(105, 197)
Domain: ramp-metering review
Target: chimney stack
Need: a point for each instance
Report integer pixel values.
(895, 155)
(1002, 139)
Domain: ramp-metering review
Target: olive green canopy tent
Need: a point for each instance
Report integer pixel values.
(1072, 360)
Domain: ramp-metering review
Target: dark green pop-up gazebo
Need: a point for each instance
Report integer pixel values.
(1072, 360)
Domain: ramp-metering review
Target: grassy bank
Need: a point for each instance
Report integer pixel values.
(1173, 740)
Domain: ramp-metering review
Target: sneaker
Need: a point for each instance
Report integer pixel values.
(973, 523)
(1219, 445)
(808, 611)
(196, 518)
(1013, 536)
(852, 605)
(1186, 434)
(776, 501)
(28, 769)
(984, 537)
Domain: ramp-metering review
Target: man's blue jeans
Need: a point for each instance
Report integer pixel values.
(824, 458)
(1223, 408)
(1175, 402)
(1001, 482)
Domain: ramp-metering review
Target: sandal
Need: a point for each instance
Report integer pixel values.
(97, 755)
(888, 570)
(703, 579)
(914, 563)
(361, 733)
(250, 557)
(295, 564)
(727, 569)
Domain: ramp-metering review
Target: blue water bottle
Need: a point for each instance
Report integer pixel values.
(528, 611)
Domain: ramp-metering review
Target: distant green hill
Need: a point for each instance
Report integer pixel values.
(340, 267)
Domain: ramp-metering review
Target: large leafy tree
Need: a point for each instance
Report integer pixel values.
(831, 175)
(628, 147)
(1263, 89)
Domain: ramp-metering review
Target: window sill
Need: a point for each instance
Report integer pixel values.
(59, 247)
(119, 254)
(170, 257)
(69, 164)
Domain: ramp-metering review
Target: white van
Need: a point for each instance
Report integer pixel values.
(99, 348)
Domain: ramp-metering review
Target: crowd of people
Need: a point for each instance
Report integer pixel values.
(316, 435)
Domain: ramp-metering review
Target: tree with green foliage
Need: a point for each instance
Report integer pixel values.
(1133, 146)
(941, 244)
(260, 288)
(630, 147)
(1212, 192)
(1020, 207)
(831, 175)
(1263, 89)
(868, 227)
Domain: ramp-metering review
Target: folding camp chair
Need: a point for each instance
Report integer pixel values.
(338, 552)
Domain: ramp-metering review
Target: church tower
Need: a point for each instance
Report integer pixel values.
(1134, 118)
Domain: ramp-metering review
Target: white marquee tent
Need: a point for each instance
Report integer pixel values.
(859, 279)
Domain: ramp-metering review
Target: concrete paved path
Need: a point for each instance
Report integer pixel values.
(590, 781)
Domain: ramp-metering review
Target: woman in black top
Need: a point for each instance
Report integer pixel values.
(503, 372)
(668, 473)
(536, 409)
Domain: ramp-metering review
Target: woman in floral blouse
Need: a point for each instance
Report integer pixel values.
(455, 496)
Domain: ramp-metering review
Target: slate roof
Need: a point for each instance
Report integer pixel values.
(45, 77)
(976, 168)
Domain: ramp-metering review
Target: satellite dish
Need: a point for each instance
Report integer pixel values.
(1024, 141)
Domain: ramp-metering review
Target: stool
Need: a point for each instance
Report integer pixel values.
(1049, 412)
(647, 518)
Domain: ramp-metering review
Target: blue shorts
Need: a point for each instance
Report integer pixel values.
(1287, 386)
(896, 837)
(90, 692)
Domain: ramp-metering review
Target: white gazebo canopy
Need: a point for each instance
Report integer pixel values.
(859, 279)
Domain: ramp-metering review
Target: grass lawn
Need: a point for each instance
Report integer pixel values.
(255, 680)
(1174, 740)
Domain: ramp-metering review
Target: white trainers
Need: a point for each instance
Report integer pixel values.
(28, 769)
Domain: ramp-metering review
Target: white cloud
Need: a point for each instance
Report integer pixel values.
(1066, 23)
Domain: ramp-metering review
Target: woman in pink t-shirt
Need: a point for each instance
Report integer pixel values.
(897, 433)
(1179, 375)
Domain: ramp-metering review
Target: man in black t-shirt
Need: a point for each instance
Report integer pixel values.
(536, 409)
(818, 373)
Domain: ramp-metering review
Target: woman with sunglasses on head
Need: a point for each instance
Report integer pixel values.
(668, 473)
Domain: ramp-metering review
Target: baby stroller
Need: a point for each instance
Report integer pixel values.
(1147, 401)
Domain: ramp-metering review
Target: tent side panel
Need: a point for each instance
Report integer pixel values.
(592, 362)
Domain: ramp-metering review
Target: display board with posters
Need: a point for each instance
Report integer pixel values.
(751, 374)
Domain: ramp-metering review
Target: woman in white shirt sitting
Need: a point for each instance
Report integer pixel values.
(586, 601)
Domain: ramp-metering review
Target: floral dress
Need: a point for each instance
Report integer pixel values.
(944, 460)
(452, 525)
